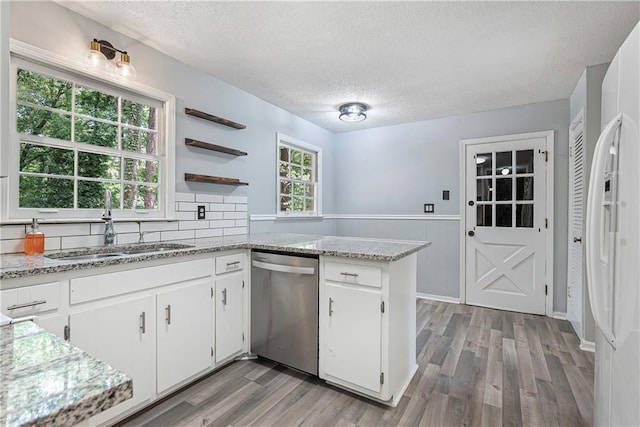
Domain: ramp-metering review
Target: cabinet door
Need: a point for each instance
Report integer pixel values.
(352, 335)
(42, 301)
(121, 335)
(229, 315)
(184, 319)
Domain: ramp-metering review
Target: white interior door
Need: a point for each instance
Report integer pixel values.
(505, 224)
(575, 266)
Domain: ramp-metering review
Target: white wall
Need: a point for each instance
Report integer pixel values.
(396, 169)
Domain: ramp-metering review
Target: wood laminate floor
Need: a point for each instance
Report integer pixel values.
(477, 366)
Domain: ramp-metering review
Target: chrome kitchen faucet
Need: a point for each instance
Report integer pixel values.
(109, 231)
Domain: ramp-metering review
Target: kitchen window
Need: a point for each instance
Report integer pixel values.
(298, 178)
(72, 137)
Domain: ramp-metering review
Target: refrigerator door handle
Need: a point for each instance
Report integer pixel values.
(597, 274)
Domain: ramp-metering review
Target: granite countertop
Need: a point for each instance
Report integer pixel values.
(44, 380)
(20, 265)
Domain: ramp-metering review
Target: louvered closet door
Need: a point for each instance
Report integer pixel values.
(577, 197)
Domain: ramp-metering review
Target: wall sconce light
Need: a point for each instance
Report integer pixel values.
(353, 112)
(101, 52)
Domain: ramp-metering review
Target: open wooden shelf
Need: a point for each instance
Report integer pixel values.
(212, 118)
(213, 147)
(192, 177)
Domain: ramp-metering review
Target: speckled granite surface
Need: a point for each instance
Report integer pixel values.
(20, 265)
(47, 381)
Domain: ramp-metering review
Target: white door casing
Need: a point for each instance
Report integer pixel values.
(507, 234)
(575, 285)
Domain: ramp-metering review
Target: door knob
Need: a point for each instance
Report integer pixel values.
(471, 203)
(577, 239)
(471, 233)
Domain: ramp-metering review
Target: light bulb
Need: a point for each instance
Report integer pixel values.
(124, 69)
(95, 59)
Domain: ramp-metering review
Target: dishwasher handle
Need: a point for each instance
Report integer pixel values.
(283, 268)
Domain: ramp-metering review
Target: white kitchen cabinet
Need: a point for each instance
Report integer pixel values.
(184, 332)
(229, 306)
(367, 330)
(353, 332)
(121, 333)
(46, 301)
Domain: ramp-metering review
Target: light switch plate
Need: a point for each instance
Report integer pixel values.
(428, 208)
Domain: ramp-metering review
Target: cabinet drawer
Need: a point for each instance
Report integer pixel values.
(367, 275)
(30, 300)
(228, 263)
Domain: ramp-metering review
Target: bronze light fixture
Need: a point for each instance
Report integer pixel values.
(102, 51)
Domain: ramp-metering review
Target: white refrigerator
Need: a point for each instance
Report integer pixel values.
(613, 242)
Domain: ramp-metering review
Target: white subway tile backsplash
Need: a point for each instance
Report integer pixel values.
(241, 222)
(130, 238)
(235, 199)
(69, 242)
(235, 231)
(52, 243)
(120, 227)
(214, 215)
(159, 226)
(222, 224)
(186, 216)
(211, 232)
(222, 207)
(241, 207)
(235, 215)
(192, 225)
(12, 232)
(12, 245)
(176, 235)
(187, 207)
(209, 198)
(185, 197)
(61, 230)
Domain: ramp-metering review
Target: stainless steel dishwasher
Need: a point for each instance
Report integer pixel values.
(284, 309)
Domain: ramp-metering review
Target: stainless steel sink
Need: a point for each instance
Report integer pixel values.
(104, 253)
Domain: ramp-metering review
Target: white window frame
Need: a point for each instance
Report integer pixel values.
(48, 63)
(287, 141)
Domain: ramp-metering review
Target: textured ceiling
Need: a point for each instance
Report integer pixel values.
(409, 61)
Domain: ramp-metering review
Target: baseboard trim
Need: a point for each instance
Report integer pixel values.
(559, 315)
(425, 217)
(440, 298)
(587, 346)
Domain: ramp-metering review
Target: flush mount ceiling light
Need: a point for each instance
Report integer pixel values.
(353, 112)
(101, 52)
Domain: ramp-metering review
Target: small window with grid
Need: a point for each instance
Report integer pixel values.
(298, 178)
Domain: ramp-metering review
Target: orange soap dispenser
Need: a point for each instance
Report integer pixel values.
(34, 239)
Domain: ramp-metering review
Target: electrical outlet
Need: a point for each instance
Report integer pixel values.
(201, 212)
(445, 194)
(428, 208)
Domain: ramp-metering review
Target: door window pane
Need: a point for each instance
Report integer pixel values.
(524, 188)
(45, 192)
(484, 190)
(503, 163)
(524, 215)
(484, 216)
(503, 189)
(503, 215)
(484, 164)
(524, 161)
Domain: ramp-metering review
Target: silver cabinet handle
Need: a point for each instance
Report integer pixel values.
(350, 274)
(27, 304)
(233, 264)
(168, 314)
(330, 306)
(143, 323)
(224, 296)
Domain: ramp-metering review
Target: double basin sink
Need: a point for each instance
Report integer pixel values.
(117, 251)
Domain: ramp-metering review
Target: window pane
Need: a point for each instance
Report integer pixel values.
(484, 216)
(524, 215)
(284, 154)
(298, 204)
(524, 188)
(140, 197)
(96, 133)
(308, 205)
(138, 114)
(284, 169)
(503, 189)
(42, 90)
(306, 174)
(93, 165)
(307, 160)
(296, 157)
(139, 141)
(285, 203)
(96, 104)
(484, 164)
(503, 215)
(484, 190)
(296, 171)
(49, 160)
(524, 161)
(38, 192)
(140, 170)
(309, 190)
(33, 121)
(503, 163)
(91, 194)
(298, 189)
(285, 186)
